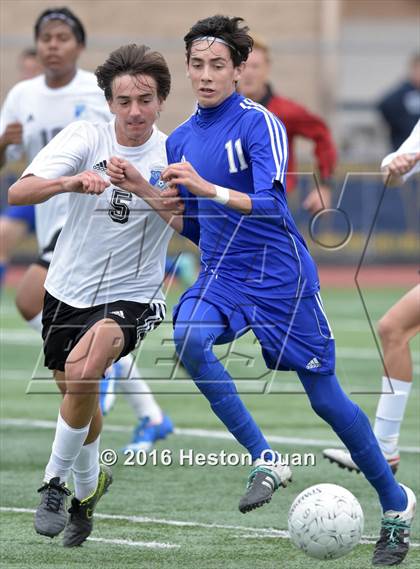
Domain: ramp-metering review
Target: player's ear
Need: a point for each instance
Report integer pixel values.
(111, 106)
(187, 71)
(237, 71)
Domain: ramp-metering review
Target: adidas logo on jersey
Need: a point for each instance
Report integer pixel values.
(101, 166)
(313, 364)
(119, 313)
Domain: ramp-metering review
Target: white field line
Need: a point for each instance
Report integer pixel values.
(253, 532)
(199, 433)
(147, 544)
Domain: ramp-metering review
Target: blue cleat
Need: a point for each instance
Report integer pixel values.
(145, 435)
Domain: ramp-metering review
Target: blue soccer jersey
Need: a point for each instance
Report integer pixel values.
(242, 146)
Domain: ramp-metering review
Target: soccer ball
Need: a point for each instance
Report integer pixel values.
(325, 521)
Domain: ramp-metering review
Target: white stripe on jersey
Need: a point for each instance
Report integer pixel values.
(279, 148)
(297, 255)
(151, 321)
(160, 309)
(321, 307)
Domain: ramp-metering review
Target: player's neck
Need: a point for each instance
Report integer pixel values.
(123, 138)
(56, 80)
(207, 111)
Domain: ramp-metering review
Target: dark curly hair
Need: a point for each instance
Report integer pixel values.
(237, 38)
(63, 15)
(133, 60)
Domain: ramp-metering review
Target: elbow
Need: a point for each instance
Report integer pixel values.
(13, 196)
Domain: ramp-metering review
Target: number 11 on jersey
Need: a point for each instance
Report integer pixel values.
(231, 156)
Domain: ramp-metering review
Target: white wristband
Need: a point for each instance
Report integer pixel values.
(222, 195)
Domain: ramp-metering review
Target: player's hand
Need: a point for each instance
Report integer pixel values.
(12, 134)
(172, 200)
(402, 164)
(123, 174)
(87, 182)
(182, 173)
(318, 198)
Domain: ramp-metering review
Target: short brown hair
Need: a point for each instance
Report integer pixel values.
(134, 59)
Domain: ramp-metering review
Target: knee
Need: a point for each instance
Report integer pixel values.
(324, 409)
(388, 330)
(83, 377)
(189, 341)
(338, 414)
(27, 311)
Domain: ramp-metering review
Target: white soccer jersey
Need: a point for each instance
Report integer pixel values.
(113, 246)
(410, 146)
(44, 112)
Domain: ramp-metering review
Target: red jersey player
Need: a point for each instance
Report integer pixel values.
(298, 121)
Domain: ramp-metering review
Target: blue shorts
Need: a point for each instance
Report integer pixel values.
(25, 213)
(294, 334)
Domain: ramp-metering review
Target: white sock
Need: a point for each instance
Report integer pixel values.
(36, 323)
(65, 449)
(86, 470)
(137, 392)
(390, 413)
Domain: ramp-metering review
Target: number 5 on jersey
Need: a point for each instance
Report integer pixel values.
(119, 210)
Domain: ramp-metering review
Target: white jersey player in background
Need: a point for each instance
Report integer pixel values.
(33, 113)
(396, 328)
(16, 221)
(104, 283)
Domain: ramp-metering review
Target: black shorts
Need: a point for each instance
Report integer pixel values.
(46, 254)
(64, 325)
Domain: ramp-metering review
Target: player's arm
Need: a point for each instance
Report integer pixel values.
(264, 203)
(265, 147)
(166, 203)
(11, 128)
(183, 173)
(404, 162)
(35, 189)
(396, 171)
(312, 127)
(61, 166)
(11, 135)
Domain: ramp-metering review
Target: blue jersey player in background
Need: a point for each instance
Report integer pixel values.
(229, 162)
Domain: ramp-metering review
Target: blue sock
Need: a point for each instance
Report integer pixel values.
(352, 426)
(196, 330)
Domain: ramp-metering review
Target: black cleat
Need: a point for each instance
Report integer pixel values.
(262, 483)
(394, 540)
(80, 524)
(51, 514)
